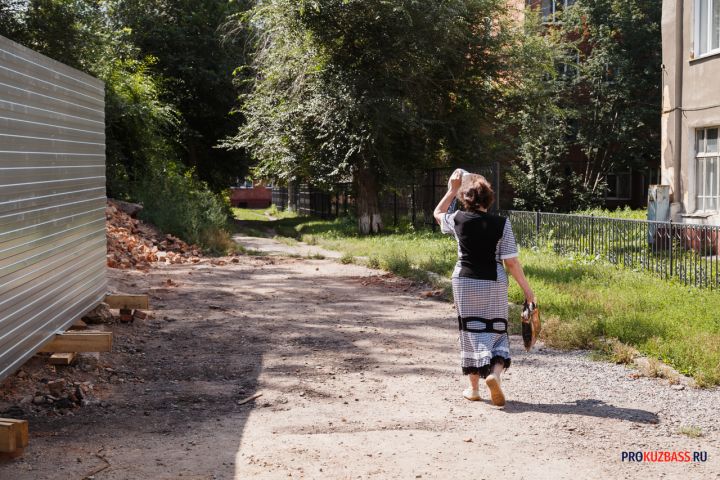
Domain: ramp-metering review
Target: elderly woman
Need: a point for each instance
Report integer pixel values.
(480, 285)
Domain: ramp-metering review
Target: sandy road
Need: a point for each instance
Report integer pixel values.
(359, 379)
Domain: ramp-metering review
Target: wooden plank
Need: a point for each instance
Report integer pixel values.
(79, 341)
(129, 302)
(22, 431)
(62, 358)
(8, 437)
(78, 325)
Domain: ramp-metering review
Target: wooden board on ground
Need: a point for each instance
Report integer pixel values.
(22, 431)
(78, 325)
(62, 358)
(8, 437)
(129, 302)
(79, 341)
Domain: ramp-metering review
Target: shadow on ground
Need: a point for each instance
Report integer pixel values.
(588, 407)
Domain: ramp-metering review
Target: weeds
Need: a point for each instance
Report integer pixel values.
(373, 262)
(347, 259)
(691, 431)
(615, 351)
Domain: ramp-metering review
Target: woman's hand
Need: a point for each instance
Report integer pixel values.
(456, 180)
(530, 297)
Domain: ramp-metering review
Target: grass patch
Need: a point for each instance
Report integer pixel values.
(239, 249)
(691, 431)
(373, 262)
(347, 259)
(626, 213)
(584, 302)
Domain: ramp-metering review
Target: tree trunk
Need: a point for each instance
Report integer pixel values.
(367, 199)
(292, 197)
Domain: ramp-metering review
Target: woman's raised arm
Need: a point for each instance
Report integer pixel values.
(442, 207)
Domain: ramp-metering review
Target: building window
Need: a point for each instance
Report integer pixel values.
(619, 186)
(707, 163)
(551, 9)
(707, 26)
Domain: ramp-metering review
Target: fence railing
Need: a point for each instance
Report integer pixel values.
(688, 253)
(413, 201)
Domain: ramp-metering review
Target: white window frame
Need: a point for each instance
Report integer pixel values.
(627, 173)
(701, 157)
(697, 50)
(552, 16)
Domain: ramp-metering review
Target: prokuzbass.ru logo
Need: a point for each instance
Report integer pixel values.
(660, 456)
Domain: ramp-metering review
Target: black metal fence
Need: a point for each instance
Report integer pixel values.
(413, 201)
(686, 253)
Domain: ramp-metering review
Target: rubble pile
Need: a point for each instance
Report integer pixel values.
(133, 244)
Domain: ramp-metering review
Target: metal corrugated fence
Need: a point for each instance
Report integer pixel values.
(52, 199)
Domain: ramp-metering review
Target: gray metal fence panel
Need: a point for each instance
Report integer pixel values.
(52, 199)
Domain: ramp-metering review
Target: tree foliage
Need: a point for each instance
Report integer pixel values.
(372, 89)
(195, 62)
(142, 127)
(534, 113)
(601, 101)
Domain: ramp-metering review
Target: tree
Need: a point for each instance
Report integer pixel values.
(616, 94)
(142, 128)
(11, 25)
(196, 63)
(371, 90)
(534, 110)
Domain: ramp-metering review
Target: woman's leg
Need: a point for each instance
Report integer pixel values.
(497, 369)
(473, 392)
(474, 381)
(493, 382)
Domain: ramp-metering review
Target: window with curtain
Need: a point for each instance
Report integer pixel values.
(707, 26)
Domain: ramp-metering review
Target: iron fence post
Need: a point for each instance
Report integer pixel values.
(537, 228)
(432, 204)
(497, 185)
(395, 216)
(414, 221)
(670, 247)
(592, 234)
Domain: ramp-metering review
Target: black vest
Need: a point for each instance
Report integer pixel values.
(478, 235)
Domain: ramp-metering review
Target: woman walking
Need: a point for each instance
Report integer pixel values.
(479, 281)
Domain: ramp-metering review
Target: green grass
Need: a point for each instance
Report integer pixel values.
(626, 213)
(585, 303)
(250, 214)
(261, 214)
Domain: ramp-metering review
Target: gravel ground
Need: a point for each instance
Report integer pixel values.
(359, 379)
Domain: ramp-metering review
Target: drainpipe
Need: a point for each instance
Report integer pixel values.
(679, 64)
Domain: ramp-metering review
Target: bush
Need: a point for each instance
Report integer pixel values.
(347, 259)
(180, 204)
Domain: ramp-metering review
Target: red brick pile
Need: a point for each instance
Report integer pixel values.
(133, 244)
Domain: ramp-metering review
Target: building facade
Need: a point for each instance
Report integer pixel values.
(625, 186)
(690, 150)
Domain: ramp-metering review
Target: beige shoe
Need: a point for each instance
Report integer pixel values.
(496, 394)
(472, 395)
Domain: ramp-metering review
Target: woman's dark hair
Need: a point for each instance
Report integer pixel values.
(475, 192)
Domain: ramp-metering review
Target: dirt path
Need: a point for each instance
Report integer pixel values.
(359, 379)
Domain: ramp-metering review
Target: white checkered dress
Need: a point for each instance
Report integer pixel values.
(482, 298)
